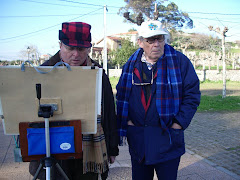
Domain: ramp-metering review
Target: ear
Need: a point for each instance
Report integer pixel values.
(60, 44)
(140, 43)
(89, 50)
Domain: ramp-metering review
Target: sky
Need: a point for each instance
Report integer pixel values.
(37, 22)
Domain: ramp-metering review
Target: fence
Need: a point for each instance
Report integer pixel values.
(212, 75)
(211, 60)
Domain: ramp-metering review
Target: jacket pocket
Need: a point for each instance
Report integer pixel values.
(177, 136)
(157, 144)
(135, 141)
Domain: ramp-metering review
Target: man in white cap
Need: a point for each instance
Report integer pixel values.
(157, 97)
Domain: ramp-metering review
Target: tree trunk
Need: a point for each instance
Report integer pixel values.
(224, 67)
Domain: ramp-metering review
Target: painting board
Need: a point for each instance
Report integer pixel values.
(76, 90)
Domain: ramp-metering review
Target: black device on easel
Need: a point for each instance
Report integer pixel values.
(46, 111)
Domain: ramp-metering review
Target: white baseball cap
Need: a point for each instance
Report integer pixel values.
(151, 28)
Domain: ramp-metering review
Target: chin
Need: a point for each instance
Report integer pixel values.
(76, 63)
(156, 57)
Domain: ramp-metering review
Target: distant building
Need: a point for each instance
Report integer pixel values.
(44, 58)
(113, 43)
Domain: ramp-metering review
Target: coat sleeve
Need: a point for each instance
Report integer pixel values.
(109, 122)
(190, 92)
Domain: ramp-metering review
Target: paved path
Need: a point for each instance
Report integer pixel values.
(213, 147)
(192, 167)
(216, 137)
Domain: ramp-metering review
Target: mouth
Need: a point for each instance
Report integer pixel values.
(75, 61)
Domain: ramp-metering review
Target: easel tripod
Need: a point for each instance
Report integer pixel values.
(46, 111)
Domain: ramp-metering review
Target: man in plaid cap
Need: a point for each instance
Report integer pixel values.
(75, 44)
(157, 97)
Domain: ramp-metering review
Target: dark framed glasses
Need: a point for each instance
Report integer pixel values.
(142, 84)
(152, 40)
(70, 48)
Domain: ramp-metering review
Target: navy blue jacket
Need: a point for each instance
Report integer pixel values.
(147, 141)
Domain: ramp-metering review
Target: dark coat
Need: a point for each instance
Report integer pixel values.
(109, 122)
(148, 142)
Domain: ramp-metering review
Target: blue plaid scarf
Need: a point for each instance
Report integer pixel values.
(168, 98)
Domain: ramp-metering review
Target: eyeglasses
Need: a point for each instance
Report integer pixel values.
(153, 39)
(142, 84)
(70, 48)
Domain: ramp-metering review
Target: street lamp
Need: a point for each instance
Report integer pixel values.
(28, 50)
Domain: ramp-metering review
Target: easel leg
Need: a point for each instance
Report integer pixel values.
(38, 171)
(48, 165)
(49, 162)
(48, 154)
(61, 171)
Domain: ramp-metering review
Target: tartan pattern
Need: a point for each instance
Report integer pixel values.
(123, 91)
(76, 34)
(168, 97)
(169, 87)
(95, 158)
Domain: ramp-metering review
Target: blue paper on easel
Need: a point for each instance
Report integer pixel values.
(61, 140)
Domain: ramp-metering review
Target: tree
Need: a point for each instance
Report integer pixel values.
(180, 40)
(33, 53)
(169, 15)
(121, 55)
(205, 42)
(132, 29)
(194, 41)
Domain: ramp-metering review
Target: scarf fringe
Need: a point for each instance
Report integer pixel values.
(96, 167)
(95, 158)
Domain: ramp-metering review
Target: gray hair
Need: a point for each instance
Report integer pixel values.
(140, 38)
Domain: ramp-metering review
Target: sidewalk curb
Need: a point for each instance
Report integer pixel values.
(233, 175)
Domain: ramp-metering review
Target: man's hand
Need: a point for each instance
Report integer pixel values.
(112, 159)
(130, 123)
(176, 126)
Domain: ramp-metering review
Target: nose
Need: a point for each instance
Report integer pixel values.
(156, 42)
(76, 52)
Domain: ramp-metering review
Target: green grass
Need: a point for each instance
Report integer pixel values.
(114, 81)
(235, 51)
(219, 85)
(211, 103)
(200, 67)
(217, 103)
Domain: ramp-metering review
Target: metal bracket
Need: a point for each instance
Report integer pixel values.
(54, 106)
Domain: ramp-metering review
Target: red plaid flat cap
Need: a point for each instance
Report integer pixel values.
(76, 34)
